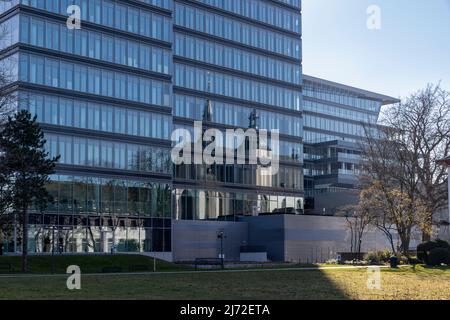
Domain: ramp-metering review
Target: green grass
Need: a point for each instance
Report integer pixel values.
(402, 283)
(87, 263)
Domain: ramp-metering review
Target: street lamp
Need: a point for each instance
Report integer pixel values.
(53, 249)
(221, 235)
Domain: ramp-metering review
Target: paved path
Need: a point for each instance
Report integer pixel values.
(18, 276)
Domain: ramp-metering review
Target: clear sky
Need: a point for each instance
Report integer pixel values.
(411, 49)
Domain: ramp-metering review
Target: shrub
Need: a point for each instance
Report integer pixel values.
(413, 260)
(378, 257)
(332, 261)
(355, 262)
(438, 256)
(402, 259)
(425, 248)
(442, 244)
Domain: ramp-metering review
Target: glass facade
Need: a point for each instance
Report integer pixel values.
(288, 151)
(344, 97)
(103, 96)
(96, 45)
(109, 95)
(86, 209)
(208, 205)
(236, 86)
(191, 107)
(335, 120)
(100, 196)
(232, 29)
(89, 79)
(236, 58)
(242, 61)
(116, 15)
(82, 151)
(336, 113)
(91, 115)
(262, 11)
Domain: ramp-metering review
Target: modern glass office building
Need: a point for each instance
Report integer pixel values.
(335, 119)
(103, 95)
(109, 95)
(242, 61)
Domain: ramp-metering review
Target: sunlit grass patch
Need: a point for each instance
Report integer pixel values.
(406, 283)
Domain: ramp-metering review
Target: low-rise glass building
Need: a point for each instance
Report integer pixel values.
(336, 118)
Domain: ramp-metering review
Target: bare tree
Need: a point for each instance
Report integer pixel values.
(391, 182)
(358, 218)
(393, 212)
(423, 125)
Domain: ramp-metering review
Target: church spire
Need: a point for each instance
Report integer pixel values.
(207, 111)
(253, 120)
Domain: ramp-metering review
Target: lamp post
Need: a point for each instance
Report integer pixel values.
(53, 250)
(221, 236)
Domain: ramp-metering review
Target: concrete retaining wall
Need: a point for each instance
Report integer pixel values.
(198, 239)
(286, 237)
(306, 238)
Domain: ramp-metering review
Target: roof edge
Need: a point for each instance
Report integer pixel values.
(384, 99)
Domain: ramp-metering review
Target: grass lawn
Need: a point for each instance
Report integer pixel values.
(87, 263)
(403, 283)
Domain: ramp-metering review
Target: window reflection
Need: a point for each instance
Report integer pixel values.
(198, 204)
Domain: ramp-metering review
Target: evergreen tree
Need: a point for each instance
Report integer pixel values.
(24, 168)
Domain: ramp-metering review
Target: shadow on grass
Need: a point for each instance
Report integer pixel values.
(325, 288)
(263, 285)
(441, 268)
(39, 264)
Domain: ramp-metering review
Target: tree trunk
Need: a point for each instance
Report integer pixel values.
(389, 237)
(359, 249)
(25, 241)
(360, 237)
(426, 236)
(426, 233)
(405, 239)
(428, 229)
(352, 239)
(391, 242)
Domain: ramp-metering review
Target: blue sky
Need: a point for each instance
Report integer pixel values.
(411, 49)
